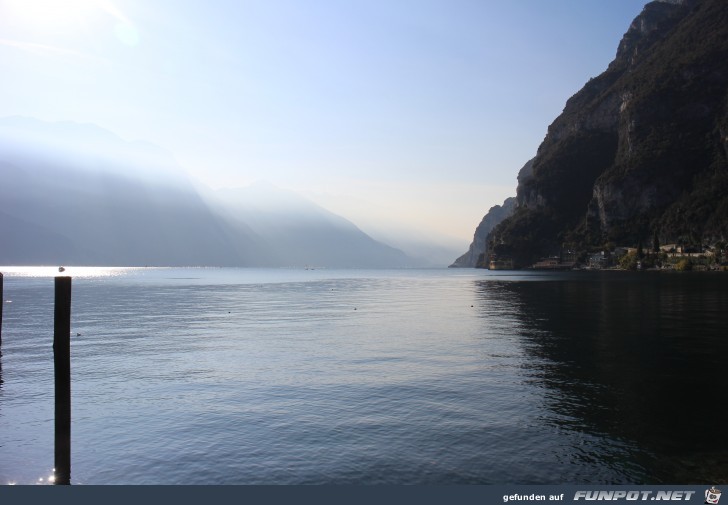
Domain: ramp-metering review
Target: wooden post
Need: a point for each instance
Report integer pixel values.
(62, 366)
(2, 303)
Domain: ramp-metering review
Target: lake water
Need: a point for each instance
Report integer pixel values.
(246, 376)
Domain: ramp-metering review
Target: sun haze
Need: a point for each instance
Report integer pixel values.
(422, 112)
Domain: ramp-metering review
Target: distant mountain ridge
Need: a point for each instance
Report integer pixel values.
(77, 194)
(640, 153)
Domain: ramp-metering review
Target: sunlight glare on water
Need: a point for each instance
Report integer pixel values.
(72, 271)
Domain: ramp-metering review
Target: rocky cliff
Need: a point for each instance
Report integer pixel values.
(641, 150)
(478, 251)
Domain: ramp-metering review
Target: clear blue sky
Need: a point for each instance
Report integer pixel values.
(415, 112)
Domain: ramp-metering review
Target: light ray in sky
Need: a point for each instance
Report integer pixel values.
(52, 51)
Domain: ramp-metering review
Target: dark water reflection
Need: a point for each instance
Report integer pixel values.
(638, 358)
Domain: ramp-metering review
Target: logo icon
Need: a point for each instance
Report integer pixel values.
(712, 495)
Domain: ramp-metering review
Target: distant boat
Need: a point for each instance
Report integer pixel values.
(61, 269)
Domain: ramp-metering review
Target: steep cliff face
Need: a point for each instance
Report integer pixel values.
(642, 149)
(478, 253)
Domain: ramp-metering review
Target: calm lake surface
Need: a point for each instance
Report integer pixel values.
(247, 376)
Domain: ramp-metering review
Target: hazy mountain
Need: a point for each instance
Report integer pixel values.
(78, 194)
(426, 249)
(299, 231)
(641, 151)
(58, 214)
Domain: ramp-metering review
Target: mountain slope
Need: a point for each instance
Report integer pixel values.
(77, 194)
(73, 216)
(641, 150)
(478, 253)
(300, 232)
(478, 250)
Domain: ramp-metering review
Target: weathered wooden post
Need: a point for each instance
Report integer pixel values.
(2, 302)
(62, 366)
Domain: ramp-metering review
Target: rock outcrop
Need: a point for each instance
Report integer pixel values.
(641, 150)
(478, 251)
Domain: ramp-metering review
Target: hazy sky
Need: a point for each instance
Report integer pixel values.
(416, 112)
